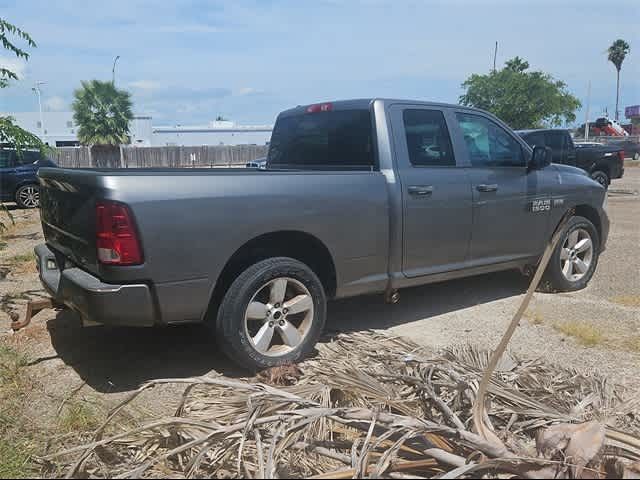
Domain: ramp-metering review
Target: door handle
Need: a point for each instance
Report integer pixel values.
(487, 188)
(420, 190)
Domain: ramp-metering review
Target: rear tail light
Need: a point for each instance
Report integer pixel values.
(621, 155)
(116, 236)
(320, 107)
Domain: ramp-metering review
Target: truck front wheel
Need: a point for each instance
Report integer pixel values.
(575, 258)
(272, 314)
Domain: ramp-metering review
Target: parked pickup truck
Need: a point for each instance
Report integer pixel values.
(358, 197)
(602, 162)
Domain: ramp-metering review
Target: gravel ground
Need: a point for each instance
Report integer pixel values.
(475, 310)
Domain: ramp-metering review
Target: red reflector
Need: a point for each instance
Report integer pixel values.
(320, 107)
(116, 237)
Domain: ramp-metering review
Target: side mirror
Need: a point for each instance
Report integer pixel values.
(540, 158)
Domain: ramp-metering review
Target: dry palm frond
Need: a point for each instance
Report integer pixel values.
(375, 405)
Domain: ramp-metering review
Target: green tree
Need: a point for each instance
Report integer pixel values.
(10, 133)
(102, 113)
(519, 97)
(618, 51)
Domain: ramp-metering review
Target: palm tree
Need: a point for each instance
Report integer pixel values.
(617, 53)
(102, 113)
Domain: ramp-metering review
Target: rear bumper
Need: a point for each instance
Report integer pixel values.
(95, 301)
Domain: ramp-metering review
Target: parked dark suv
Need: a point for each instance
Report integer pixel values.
(18, 176)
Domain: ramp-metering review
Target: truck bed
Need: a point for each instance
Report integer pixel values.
(192, 221)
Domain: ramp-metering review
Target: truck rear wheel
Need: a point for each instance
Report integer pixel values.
(575, 258)
(272, 314)
(602, 178)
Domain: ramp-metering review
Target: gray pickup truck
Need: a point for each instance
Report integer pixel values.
(357, 197)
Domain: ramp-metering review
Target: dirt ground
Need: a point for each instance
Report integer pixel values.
(58, 379)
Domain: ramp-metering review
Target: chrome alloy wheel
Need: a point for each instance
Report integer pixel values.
(576, 255)
(279, 317)
(29, 196)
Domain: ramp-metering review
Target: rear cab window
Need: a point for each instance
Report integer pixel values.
(323, 140)
(535, 139)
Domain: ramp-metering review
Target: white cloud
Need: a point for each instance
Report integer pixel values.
(56, 104)
(145, 85)
(188, 28)
(16, 65)
(241, 92)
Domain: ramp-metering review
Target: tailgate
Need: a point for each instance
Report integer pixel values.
(67, 211)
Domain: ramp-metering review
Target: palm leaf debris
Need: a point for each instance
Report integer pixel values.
(374, 405)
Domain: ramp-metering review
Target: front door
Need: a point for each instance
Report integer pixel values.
(510, 215)
(436, 193)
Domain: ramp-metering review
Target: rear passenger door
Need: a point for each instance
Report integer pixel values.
(436, 193)
(504, 227)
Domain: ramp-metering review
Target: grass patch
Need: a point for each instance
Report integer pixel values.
(3, 245)
(627, 300)
(535, 318)
(15, 451)
(24, 258)
(585, 333)
(15, 460)
(78, 416)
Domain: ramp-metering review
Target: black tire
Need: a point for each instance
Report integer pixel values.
(602, 178)
(554, 279)
(231, 333)
(24, 196)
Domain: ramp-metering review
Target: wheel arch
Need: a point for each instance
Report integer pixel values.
(24, 183)
(299, 245)
(591, 214)
(602, 166)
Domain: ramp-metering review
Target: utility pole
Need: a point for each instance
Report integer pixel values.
(586, 119)
(113, 70)
(36, 89)
(495, 55)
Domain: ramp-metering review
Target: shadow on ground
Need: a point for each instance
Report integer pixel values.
(120, 359)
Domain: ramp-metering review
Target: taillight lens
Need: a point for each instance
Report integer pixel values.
(621, 155)
(116, 237)
(320, 107)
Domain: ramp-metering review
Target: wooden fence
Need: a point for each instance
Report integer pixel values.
(152, 157)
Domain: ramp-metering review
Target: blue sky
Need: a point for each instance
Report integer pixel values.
(185, 62)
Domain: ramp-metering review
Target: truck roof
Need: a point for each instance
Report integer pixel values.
(534, 130)
(365, 103)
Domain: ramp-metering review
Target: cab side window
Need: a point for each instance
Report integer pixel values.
(28, 157)
(428, 140)
(488, 144)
